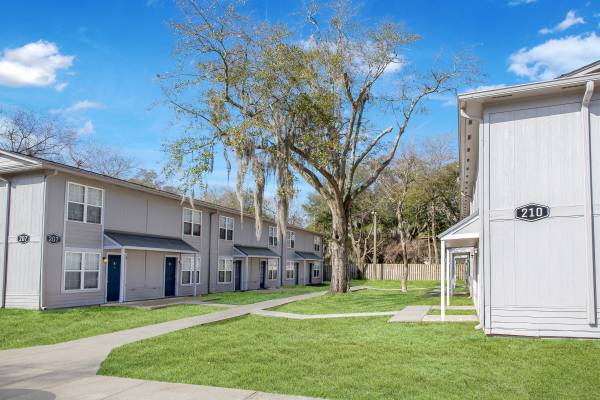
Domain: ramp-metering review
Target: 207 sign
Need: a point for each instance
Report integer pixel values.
(532, 212)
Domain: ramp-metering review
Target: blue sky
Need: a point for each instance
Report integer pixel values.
(94, 63)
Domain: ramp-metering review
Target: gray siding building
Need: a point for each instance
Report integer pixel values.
(69, 237)
(530, 184)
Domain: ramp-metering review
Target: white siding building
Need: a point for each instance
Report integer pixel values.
(530, 185)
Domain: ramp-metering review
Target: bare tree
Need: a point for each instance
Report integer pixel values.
(101, 159)
(26, 133)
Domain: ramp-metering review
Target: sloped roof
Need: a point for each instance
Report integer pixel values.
(308, 255)
(151, 242)
(255, 251)
(586, 69)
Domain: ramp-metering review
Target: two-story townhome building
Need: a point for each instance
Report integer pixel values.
(530, 197)
(70, 237)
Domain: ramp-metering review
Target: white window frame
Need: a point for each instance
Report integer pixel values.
(85, 204)
(83, 253)
(316, 268)
(193, 213)
(273, 236)
(317, 242)
(228, 221)
(272, 269)
(290, 266)
(291, 239)
(194, 269)
(225, 264)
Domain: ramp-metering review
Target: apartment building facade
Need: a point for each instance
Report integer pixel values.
(72, 238)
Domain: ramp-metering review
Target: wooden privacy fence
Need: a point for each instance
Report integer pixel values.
(393, 272)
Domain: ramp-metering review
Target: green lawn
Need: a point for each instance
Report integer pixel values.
(254, 296)
(364, 358)
(23, 328)
(372, 300)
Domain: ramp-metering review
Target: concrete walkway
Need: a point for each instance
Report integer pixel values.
(279, 314)
(68, 370)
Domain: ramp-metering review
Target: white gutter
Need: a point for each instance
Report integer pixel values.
(588, 216)
(5, 244)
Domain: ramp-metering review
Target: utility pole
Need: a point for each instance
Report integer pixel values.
(378, 270)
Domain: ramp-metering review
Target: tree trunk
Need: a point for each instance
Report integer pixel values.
(433, 235)
(404, 262)
(339, 252)
(429, 248)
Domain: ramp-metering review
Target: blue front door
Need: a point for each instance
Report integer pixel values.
(263, 274)
(113, 278)
(296, 272)
(238, 275)
(170, 268)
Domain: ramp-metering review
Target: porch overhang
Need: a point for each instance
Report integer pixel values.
(254, 251)
(465, 233)
(116, 240)
(307, 256)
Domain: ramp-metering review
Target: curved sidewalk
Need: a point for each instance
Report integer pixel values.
(68, 370)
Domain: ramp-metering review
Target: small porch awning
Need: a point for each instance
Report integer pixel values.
(464, 233)
(308, 256)
(254, 251)
(137, 241)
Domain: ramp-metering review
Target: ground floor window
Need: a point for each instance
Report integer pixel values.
(190, 270)
(316, 270)
(225, 270)
(272, 268)
(82, 270)
(290, 271)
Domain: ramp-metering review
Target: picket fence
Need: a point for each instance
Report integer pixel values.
(393, 272)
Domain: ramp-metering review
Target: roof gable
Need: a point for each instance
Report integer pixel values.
(585, 70)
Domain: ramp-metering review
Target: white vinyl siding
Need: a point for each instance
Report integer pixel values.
(225, 270)
(290, 270)
(272, 267)
(81, 271)
(291, 239)
(84, 203)
(192, 222)
(225, 228)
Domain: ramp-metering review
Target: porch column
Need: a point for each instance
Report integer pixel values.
(449, 259)
(443, 280)
(244, 284)
(194, 273)
(123, 275)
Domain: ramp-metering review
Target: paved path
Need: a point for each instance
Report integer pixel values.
(279, 314)
(68, 370)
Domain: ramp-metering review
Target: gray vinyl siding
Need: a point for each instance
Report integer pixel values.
(536, 273)
(145, 275)
(24, 260)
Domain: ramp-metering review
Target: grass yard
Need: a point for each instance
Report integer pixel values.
(23, 328)
(254, 296)
(373, 300)
(364, 358)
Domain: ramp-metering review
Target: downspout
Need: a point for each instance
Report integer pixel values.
(210, 233)
(5, 244)
(589, 222)
(42, 244)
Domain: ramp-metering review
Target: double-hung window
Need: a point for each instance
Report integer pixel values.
(273, 234)
(82, 270)
(317, 242)
(272, 267)
(290, 270)
(225, 270)
(225, 228)
(84, 203)
(316, 270)
(291, 239)
(189, 274)
(192, 222)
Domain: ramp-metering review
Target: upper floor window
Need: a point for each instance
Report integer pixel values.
(190, 273)
(273, 234)
(82, 271)
(84, 203)
(192, 222)
(272, 269)
(225, 228)
(291, 239)
(317, 242)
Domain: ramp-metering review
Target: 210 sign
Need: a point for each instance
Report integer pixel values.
(532, 212)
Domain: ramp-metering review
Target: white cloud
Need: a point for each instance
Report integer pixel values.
(570, 20)
(86, 129)
(81, 105)
(555, 57)
(59, 87)
(34, 64)
(514, 3)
